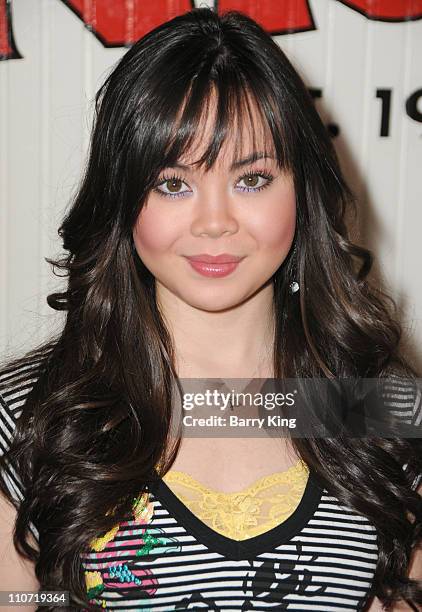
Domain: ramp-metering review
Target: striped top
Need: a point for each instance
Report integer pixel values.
(164, 558)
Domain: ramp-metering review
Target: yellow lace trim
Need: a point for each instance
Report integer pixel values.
(243, 514)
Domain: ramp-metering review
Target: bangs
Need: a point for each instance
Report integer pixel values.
(236, 107)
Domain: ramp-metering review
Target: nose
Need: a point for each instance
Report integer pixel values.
(214, 215)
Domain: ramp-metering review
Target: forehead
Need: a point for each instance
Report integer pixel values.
(246, 133)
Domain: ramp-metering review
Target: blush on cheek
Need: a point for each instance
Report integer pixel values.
(144, 236)
(287, 222)
(278, 229)
(150, 234)
(286, 229)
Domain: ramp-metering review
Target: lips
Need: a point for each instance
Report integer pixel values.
(224, 258)
(214, 266)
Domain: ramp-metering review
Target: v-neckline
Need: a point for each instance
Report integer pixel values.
(247, 490)
(240, 549)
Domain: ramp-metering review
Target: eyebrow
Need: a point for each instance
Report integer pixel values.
(254, 156)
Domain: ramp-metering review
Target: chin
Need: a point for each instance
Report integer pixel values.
(213, 304)
(216, 302)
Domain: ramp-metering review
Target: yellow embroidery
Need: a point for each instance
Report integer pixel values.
(143, 509)
(100, 543)
(243, 514)
(94, 586)
(93, 579)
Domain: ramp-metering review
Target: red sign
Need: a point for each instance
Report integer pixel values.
(8, 48)
(118, 23)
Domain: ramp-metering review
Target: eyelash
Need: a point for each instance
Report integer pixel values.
(262, 173)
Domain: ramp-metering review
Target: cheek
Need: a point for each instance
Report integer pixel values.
(151, 234)
(276, 228)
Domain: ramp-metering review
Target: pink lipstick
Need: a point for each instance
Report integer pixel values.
(215, 266)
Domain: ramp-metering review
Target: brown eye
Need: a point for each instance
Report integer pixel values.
(251, 181)
(170, 187)
(173, 185)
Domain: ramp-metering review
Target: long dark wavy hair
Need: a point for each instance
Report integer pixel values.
(96, 423)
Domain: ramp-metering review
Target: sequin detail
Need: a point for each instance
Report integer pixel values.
(112, 573)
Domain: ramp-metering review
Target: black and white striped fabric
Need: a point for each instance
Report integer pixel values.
(321, 558)
(15, 385)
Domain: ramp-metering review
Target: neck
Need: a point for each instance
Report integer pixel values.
(232, 343)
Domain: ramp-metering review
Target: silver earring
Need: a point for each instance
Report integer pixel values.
(294, 287)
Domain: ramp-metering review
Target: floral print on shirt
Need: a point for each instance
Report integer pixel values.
(131, 575)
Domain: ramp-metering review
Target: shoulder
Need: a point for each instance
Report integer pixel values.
(17, 379)
(403, 396)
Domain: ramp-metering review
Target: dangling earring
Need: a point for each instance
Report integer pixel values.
(294, 286)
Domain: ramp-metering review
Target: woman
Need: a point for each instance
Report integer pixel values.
(206, 142)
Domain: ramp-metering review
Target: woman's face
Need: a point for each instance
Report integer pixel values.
(246, 210)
